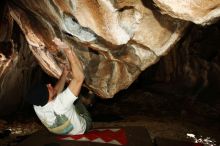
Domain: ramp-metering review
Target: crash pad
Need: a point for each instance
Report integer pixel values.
(125, 136)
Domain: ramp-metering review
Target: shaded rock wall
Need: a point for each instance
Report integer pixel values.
(185, 83)
(18, 67)
(188, 77)
(193, 65)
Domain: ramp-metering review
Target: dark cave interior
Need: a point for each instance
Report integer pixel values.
(181, 91)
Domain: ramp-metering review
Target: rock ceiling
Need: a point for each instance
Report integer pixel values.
(115, 40)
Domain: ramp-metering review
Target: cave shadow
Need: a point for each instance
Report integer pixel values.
(106, 118)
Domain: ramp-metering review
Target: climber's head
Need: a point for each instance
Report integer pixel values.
(40, 94)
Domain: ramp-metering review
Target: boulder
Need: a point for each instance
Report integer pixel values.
(203, 12)
(115, 40)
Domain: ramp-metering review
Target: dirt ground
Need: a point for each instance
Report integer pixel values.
(164, 128)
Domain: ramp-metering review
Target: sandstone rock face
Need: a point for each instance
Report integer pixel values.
(115, 40)
(198, 11)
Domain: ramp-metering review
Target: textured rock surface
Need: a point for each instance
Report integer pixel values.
(115, 40)
(198, 11)
(191, 69)
(185, 84)
(17, 65)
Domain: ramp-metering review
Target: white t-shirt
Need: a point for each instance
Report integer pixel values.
(60, 116)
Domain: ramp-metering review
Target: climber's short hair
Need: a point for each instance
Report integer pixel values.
(38, 95)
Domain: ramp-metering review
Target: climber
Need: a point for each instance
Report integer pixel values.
(62, 112)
